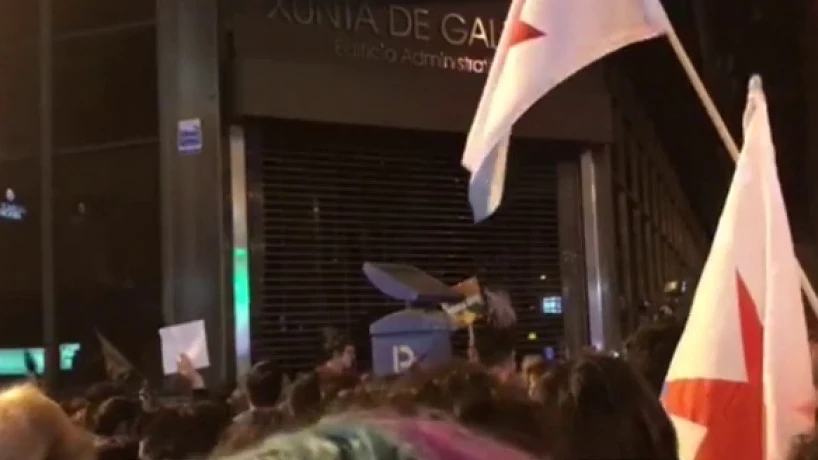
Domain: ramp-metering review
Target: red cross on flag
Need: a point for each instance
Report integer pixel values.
(739, 384)
(543, 43)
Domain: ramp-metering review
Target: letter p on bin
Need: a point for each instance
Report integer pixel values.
(406, 337)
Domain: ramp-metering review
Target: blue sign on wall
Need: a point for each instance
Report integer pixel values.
(189, 139)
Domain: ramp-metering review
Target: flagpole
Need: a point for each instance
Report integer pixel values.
(724, 134)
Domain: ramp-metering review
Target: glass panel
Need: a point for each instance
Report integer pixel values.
(19, 106)
(107, 254)
(20, 247)
(20, 275)
(105, 88)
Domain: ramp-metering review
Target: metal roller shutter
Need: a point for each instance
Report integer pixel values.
(336, 196)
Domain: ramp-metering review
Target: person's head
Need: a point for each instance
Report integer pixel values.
(304, 396)
(532, 369)
(160, 433)
(115, 415)
(650, 350)
(187, 431)
(33, 427)
(263, 384)
(605, 410)
(95, 395)
(339, 349)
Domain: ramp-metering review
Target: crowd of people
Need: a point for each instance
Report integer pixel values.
(592, 406)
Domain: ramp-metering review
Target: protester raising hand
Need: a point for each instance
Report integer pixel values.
(187, 372)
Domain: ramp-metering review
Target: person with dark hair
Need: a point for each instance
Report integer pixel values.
(95, 395)
(158, 436)
(605, 411)
(263, 384)
(303, 400)
(115, 416)
(262, 387)
(184, 432)
(532, 369)
(340, 353)
(650, 349)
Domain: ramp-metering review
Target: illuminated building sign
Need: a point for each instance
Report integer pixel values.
(11, 210)
(13, 361)
(551, 305)
(421, 37)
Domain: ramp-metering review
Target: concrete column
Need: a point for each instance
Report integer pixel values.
(194, 168)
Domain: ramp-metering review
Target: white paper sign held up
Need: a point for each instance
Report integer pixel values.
(187, 338)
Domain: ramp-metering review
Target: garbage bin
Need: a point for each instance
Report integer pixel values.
(406, 337)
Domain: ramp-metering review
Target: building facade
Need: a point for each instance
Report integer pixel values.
(79, 82)
(276, 146)
(344, 123)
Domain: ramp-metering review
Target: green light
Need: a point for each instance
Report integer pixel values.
(13, 362)
(241, 303)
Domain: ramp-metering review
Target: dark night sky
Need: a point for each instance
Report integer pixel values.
(729, 42)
